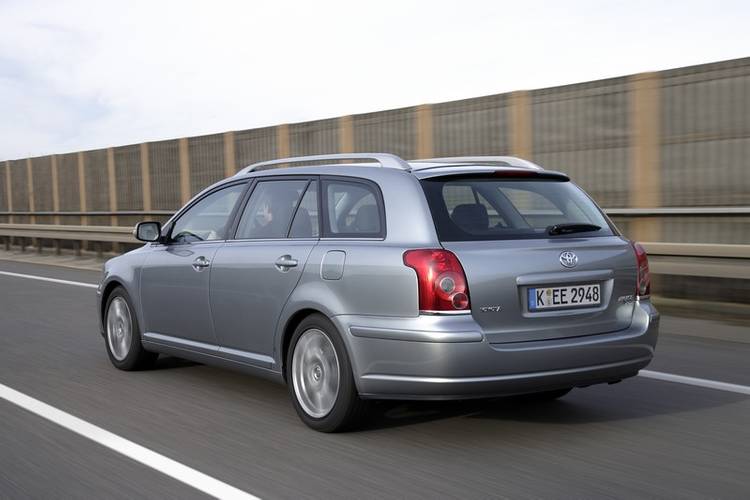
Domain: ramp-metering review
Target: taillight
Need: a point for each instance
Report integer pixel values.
(643, 276)
(441, 280)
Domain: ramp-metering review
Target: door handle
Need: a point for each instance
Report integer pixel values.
(285, 262)
(201, 263)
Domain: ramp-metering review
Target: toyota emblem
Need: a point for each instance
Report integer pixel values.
(568, 259)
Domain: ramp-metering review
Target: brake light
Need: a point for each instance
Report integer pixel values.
(643, 276)
(441, 280)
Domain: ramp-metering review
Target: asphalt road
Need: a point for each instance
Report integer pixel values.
(640, 438)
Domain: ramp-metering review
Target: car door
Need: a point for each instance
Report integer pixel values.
(253, 274)
(175, 276)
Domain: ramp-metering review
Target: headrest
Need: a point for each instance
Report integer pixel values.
(367, 219)
(471, 217)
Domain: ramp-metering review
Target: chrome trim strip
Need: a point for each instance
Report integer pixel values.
(445, 313)
(212, 349)
(415, 335)
(181, 343)
(498, 378)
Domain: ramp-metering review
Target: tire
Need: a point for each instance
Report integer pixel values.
(122, 334)
(311, 379)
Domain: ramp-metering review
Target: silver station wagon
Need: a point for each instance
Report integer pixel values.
(356, 277)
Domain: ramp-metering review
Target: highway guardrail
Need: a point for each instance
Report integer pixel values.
(687, 259)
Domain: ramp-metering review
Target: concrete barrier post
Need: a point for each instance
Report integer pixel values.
(145, 178)
(346, 134)
(9, 190)
(424, 132)
(82, 197)
(521, 142)
(55, 193)
(32, 205)
(112, 183)
(283, 146)
(230, 168)
(184, 170)
(645, 168)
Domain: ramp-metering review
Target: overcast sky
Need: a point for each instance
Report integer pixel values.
(83, 75)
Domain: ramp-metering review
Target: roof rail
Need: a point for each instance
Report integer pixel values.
(385, 160)
(508, 161)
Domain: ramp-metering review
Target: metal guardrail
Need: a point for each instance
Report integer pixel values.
(39, 233)
(107, 234)
(699, 259)
(144, 213)
(678, 211)
(686, 259)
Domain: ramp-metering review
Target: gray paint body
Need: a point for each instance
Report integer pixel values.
(235, 313)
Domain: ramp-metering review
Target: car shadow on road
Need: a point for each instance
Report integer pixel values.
(169, 363)
(635, 399)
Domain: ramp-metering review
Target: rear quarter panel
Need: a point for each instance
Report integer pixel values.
(375, 281)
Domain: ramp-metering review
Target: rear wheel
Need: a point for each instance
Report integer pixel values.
(123, 336)
(320, 377)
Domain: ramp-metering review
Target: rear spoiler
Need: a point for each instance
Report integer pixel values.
(498, 173)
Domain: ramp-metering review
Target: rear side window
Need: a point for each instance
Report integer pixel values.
(305, 223)
(352, 210)
(269, 211)
(477, 208)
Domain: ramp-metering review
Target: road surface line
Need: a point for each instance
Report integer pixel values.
(171, 468)
(51, 280)
(698, 382)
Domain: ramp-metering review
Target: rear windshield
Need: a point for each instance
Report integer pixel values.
(466, 209)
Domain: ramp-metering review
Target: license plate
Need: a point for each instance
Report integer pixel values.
(564, 296)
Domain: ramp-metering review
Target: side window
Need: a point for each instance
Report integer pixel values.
(269, 210)
(305, 224)
(352, 210)
(207, 220)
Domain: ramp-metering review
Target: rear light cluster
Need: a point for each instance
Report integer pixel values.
(643, 276)
(441, 280)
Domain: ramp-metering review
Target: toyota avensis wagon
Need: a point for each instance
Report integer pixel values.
(434, 279)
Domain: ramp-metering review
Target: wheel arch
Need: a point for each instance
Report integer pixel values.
(106, 292)
(288, 331)
(107, 288)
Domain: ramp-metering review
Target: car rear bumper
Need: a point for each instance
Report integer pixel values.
(448, 357)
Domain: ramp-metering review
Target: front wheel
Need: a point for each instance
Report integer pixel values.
(320, 377)
(123, 336)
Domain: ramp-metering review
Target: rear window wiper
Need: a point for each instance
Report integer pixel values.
(571, 228)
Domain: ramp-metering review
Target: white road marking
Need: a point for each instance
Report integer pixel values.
(698, 382)
(171, 468)
(51, 280)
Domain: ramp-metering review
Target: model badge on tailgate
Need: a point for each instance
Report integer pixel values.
(487, 309)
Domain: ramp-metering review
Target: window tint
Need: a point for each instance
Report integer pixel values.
(270, 208)
(496, 209)
(305, 224)
(461, 194)
(207, 219)
(352, 209)
(529, 202)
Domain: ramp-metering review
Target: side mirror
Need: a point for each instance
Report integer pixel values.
(147, 231)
